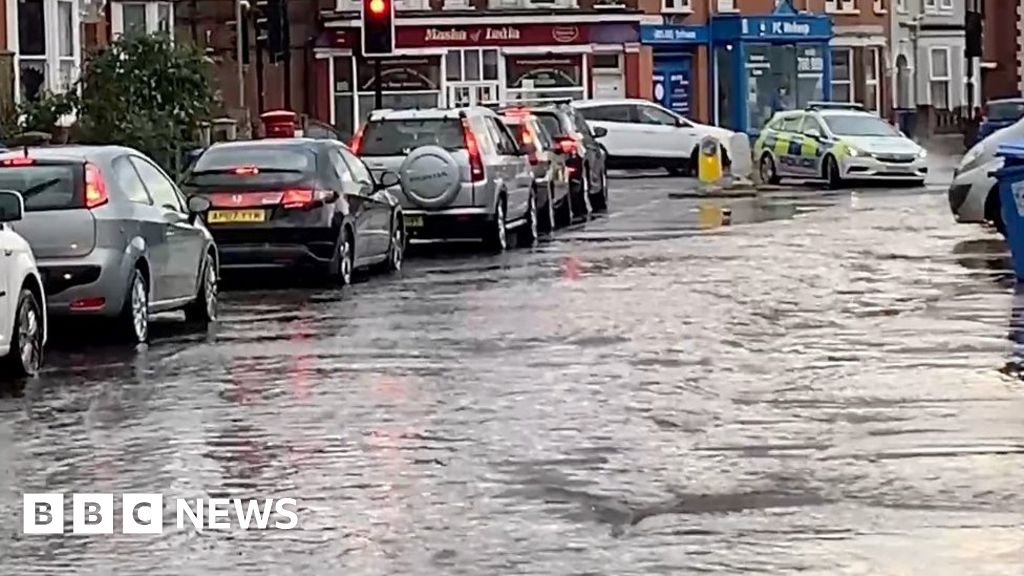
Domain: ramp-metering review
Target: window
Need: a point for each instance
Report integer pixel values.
(872, 94)
(901, 6)
(617, 113)
(655, 116)
(142, 17)
(811, 125)
(340, 168)
(939, 78)
(359, 170)
(32, 65)
(161, 189)
(128, 181)
(790, 124)
(880, 7)
(503, 139)
(938, 5)
(676, 6)
(840, 6)
(842, 75)
(398, 137)
(471, 65)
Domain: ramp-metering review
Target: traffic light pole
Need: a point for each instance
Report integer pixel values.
(378, 85)
(238, 54)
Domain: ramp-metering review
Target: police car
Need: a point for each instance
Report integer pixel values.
(837, 142)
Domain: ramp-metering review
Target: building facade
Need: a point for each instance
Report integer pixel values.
(927, 55)
(859, 50)
(1002, 68)
(43, 38)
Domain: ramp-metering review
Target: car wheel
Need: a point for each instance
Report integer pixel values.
(497, 236)
(832, 176)
(599, 201)
(396, 250)
(26, 354)
(994, 211)
(344, 258)
(203, 309)
(528, 236)
(134, 319)
(769, 175)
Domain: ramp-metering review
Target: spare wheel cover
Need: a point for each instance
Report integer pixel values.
(430, 176)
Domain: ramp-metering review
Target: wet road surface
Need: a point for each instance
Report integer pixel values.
(829, 385)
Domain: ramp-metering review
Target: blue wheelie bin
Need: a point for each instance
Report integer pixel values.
(1011, 197)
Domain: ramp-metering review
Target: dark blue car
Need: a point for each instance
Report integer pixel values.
(998, 115)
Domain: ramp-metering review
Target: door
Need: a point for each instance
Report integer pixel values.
(360, 205)
(788, 146)
(622, 138)
(463, 94)
(145, 220)
(379, 211)
(515, 168)
(183, 238)
(661, 136)
(812, 146)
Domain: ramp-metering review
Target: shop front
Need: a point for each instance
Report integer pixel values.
(472, 64)
(767, 64)
(679, 81)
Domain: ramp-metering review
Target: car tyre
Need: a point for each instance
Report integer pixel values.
(768, 172)
(396, 248)
(599, 201)
(832, 176)
(134, 318)
(497, 235)
(26, 354)
(203, 310)
(343, 265)
(528, 235)
(583, 195)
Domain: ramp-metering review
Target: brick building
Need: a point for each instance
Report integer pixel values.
(859, 50)
(1003, 58)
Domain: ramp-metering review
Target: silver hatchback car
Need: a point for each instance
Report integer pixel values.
(113, 236)
(463, 173)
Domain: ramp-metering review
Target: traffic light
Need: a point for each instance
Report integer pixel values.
(378, 27)
(974, 30)
(272, 28)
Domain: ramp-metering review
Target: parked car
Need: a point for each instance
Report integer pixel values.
(298, 202)
(585, 156)
(113, 236)
(836, 145)
(1000, 113)
(644, 135)
(463, 174)
(973, 194)
(23, 324)
(550, 176)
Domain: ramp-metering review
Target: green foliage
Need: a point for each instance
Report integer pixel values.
(43, 114)
(146, 92)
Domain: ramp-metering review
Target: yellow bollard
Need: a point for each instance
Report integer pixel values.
(709, 161)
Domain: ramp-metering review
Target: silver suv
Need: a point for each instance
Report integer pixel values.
(463, 173)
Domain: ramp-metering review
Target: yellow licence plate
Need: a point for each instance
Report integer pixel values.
(414, 221)
(235, 216)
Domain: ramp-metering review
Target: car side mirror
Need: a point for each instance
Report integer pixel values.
(198, 205)
(599, 132)
(12, 206)
(387, 180)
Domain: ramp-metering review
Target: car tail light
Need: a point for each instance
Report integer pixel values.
(476, 162)
(304, 198)
(357, 140)
(19, 161)
(529, 142)
(88, 303)
(567, 144)
(95, 187)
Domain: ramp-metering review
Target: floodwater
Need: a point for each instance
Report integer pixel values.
(829, 384)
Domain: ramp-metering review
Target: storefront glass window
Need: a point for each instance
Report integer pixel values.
(781, 77)
(725, 64)
(538, 78)
(408, 83)
(343, 88)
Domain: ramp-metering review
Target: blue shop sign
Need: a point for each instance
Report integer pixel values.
(658, 34)
(774, 28)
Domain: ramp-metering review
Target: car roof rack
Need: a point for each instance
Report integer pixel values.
(835, 106)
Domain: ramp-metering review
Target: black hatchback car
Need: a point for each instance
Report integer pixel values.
(297, 202)
(584, 156)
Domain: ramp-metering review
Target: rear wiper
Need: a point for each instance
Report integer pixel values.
(38, 188)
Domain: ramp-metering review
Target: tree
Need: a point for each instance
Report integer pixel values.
(146, 92)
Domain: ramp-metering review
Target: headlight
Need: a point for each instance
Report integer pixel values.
(922, 154)
(853, 152)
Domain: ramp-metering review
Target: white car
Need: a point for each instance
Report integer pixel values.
(22, 301)
(642, 135)
(973, 195)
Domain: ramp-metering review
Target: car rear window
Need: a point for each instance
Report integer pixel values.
(45, 187)
(551, 123)
(1004, 111)
(259, 165)
(399, 137)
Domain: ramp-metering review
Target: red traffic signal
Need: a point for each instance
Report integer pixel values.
(378, 27)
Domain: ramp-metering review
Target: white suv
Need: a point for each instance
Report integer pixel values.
(22, 302)
(643, 135)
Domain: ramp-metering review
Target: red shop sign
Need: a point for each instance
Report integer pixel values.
(507, 35)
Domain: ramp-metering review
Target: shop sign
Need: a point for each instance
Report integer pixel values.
(673, 34)
(508, 35)
(786, 27)
(402, 74)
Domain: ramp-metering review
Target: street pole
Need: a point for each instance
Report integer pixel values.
(378, 85)
(238, 54)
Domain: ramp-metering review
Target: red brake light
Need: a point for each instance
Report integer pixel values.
(304, 198)
(567, 144)
(95, 187)
(476, 163)
(246, 171)
(357, 140)
(530, 143)
(20, 161)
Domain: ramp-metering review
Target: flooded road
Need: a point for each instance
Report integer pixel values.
(829, 385)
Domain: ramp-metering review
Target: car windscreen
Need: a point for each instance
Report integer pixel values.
(399, 137)
(1005, 111)
(859, 125)
(45, 186)
(258, 165)
(551, 123)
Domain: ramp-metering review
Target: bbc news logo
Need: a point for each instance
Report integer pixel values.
(144, 514)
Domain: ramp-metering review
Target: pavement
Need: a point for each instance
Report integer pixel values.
(826, 382)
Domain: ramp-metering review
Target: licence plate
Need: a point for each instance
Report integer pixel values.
(414, 221)
(236, 216)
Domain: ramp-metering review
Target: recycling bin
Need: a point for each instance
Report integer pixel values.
(1011, 196)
